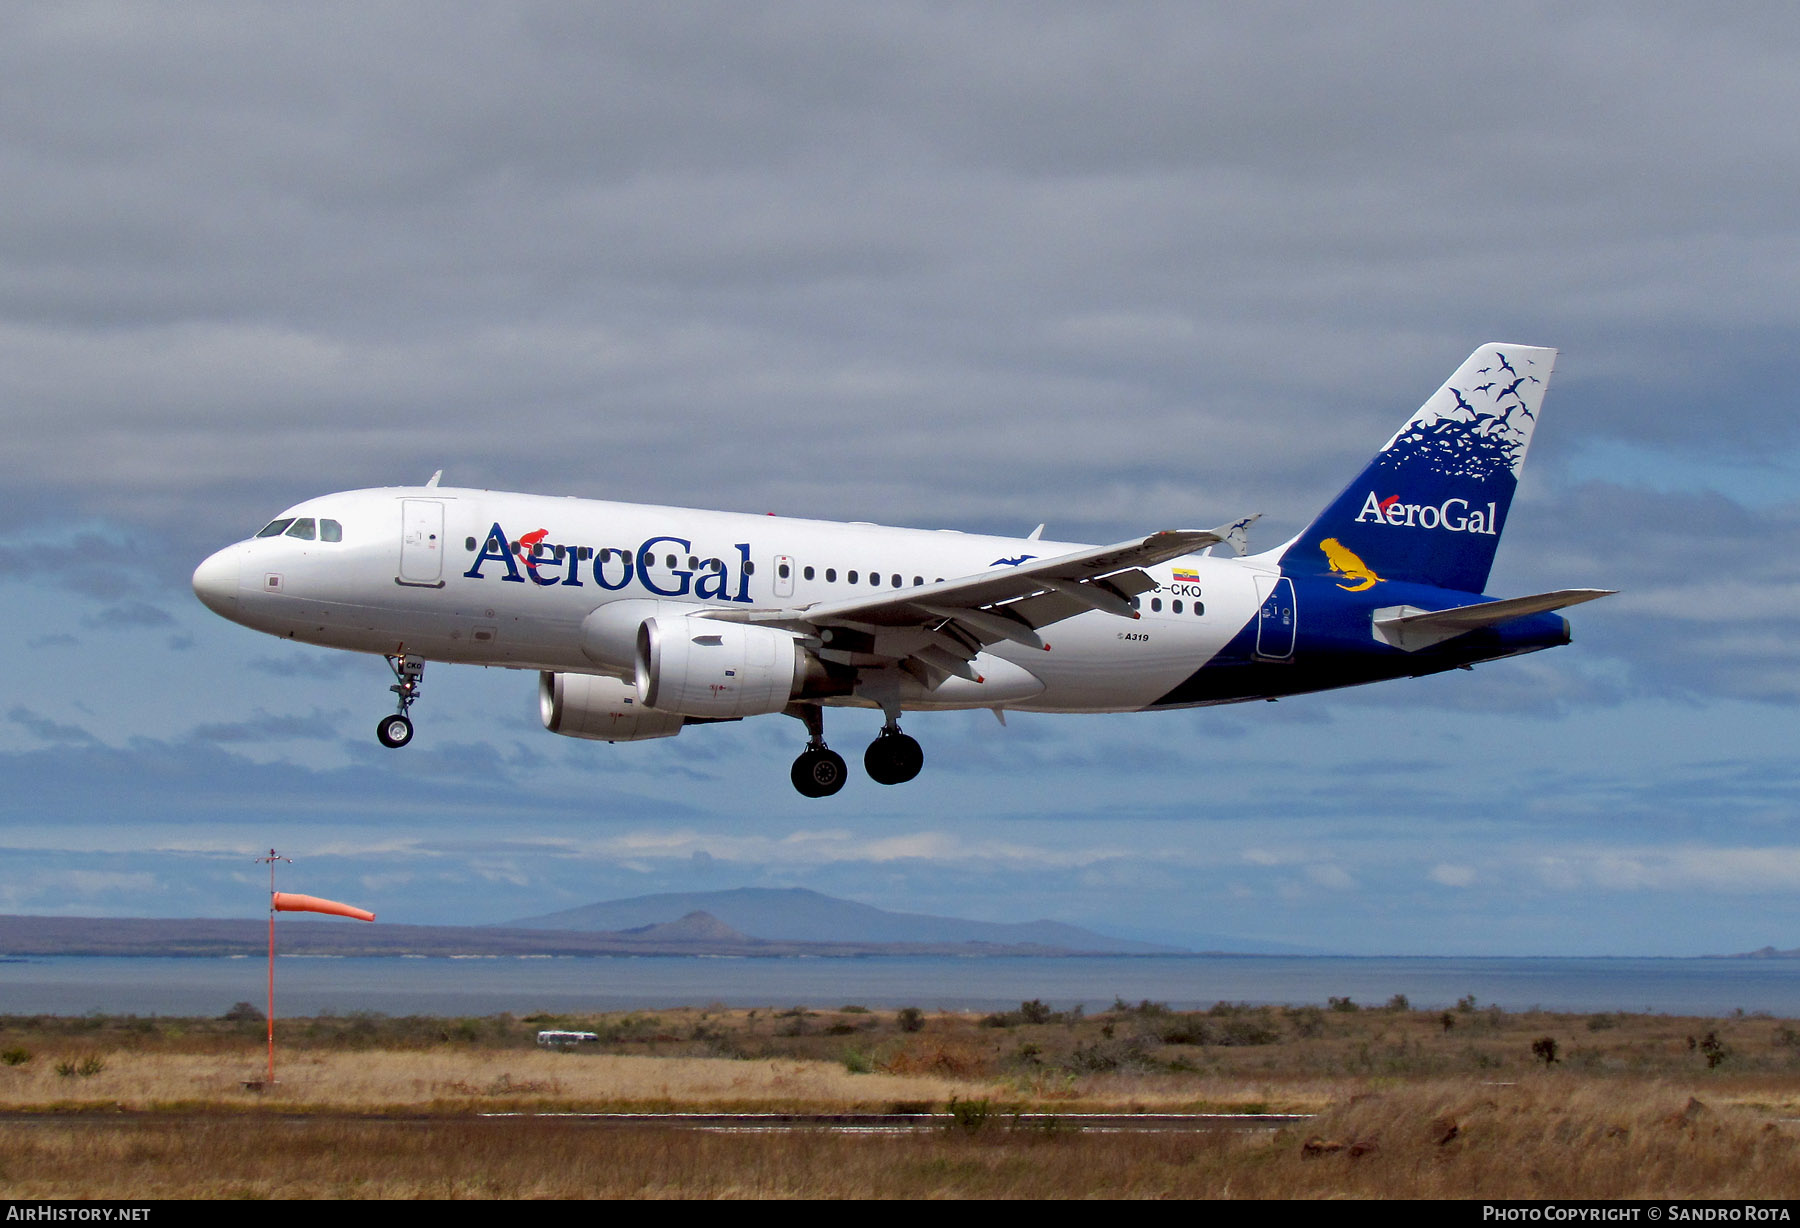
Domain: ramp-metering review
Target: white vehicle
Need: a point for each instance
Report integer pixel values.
(643, 620)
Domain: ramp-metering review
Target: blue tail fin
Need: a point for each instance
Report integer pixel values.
(1430, 507)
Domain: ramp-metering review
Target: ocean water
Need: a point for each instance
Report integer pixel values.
(484, 986)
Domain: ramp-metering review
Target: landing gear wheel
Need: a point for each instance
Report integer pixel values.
(394, 731)
(819, 772)
(893, 758)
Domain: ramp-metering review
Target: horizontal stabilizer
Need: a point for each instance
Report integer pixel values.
(1411, 629)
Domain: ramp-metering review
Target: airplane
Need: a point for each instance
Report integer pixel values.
(641, 620)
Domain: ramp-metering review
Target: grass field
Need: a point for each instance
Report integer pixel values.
(1462, 1103)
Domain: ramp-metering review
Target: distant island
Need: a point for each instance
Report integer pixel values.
(750, 921)
(1762, 953)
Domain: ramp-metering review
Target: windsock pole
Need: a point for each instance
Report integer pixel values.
(286, 901)
(271, 859)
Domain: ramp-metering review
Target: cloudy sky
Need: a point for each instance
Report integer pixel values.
(1114, 267)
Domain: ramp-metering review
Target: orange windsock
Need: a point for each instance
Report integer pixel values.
(287, 901)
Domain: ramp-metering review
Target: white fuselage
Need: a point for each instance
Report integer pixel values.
(418, 571)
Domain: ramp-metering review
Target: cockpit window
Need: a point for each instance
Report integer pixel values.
(331, 531)
(305, 528)
(276, 528)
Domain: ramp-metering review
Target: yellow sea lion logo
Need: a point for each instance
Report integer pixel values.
(1346, 564)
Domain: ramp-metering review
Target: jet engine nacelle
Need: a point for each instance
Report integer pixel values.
(603, 709)
(609, 635)
(705, 667)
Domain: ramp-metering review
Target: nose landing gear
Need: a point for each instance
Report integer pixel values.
(396, 731)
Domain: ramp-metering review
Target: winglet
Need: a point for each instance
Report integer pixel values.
(1237, 534)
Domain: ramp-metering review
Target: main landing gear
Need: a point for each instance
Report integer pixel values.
(819, 771)
(396, 731)
(893, 758)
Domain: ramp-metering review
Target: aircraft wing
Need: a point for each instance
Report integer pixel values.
(943, 626)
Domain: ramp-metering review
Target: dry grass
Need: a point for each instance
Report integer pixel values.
(1449, 1140)
(462, 1081)
(1407, 1107)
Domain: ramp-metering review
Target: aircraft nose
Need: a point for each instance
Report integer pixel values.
(216, 582)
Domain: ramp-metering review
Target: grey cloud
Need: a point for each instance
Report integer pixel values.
(128, 614)
(330, 241)
(47, 729)
(264, 727)
(310, 664)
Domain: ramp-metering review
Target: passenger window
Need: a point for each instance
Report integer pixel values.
(276, 528)
(784, 571)
(1175, 605)
(671, 562)
(557, 554)
(875, 578)
(1156, 605)
(305, 528)
(1134, 603)
(918, 581)
(332, 531)
(895, 579)
(1199, 607)
(807, 572)
(749, 568)
(850, 576)
(693, 563)
(469, 545)
(831, 575)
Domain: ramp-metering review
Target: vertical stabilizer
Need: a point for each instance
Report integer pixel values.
(1430, 507)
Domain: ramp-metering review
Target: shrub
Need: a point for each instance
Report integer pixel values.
(910, 1019)
(970, 1115)
(18, 1055)
(1247, 1030)
(1544, 1048)
(1185, 1030)
(1308, 1021)
(1147, 1008)
(1033, 1011)
(85, 1066)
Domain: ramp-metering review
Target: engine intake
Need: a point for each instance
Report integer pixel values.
(599, 708)
(705, 667)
